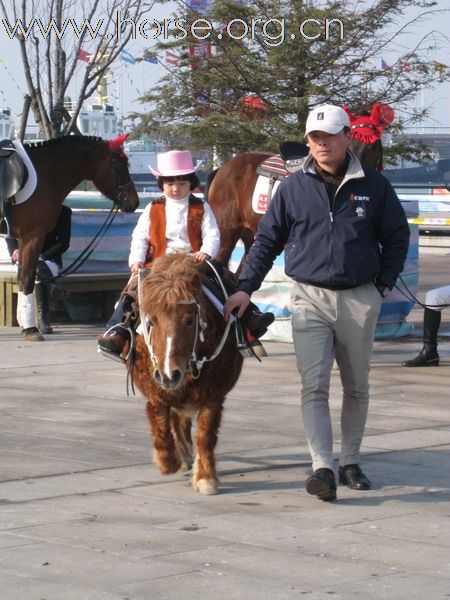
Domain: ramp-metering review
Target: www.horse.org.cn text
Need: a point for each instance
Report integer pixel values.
(271, 32)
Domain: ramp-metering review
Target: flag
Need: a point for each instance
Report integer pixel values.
(199, 54)
(201, 6)
(172, 58)
(151, 59)
(127, 57)
(385, 66)
(437, 66)
(85, 56)
(402, 65)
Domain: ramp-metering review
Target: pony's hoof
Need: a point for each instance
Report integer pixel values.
(185, 466)
(206, 487)
(32, 334)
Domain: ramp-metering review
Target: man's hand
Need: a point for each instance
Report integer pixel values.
(240, 301)
(15, 256)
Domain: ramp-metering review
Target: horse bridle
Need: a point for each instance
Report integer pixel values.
(115, 160)
(195, 364)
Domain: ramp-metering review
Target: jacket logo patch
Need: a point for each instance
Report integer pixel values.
(357, 198)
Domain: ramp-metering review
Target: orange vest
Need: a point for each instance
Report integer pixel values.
(158, 242)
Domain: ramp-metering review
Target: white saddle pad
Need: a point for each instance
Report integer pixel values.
(31, 182)
(260, 198)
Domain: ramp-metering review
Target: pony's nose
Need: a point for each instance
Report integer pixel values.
(157, 375)
(177, 375)
(171, 382)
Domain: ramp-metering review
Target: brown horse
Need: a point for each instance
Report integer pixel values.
(185, 363)
(230, 192)
(60, 165)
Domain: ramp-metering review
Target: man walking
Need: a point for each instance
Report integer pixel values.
(345, 237)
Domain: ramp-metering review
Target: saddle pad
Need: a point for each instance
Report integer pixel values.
(274, 165)
(30, 184)
(260, 198)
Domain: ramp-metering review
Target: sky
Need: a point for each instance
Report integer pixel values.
(130, 81)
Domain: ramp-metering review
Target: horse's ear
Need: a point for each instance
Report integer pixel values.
(387, 114)
(117, 142)
(350, 116)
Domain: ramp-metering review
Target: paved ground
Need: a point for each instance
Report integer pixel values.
(84, 515)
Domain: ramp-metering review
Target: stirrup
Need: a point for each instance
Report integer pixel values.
(242, 343)
(113, 355)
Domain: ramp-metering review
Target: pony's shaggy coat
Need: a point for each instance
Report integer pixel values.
(173, 304)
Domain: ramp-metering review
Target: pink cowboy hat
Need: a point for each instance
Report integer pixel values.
(173, 163)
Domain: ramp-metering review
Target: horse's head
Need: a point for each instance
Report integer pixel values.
(366, 131)
(112, 176)
(171, 306)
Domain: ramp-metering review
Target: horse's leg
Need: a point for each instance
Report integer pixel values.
(165, 454)
(248, 238)
(29, 254)
(204, 478)
(181, 431)
(228, 240)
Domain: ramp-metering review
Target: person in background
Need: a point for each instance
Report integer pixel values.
(178, 221)
(435, 301)
(345, 238)
(49, 265)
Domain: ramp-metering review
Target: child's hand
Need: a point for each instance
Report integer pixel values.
(135, 268)
(201, 256)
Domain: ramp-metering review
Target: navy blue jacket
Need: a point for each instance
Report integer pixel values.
(363, 237)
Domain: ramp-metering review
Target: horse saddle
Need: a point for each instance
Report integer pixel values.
(12, 170)
(274, 169)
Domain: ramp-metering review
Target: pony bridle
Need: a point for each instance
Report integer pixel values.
(195, 364)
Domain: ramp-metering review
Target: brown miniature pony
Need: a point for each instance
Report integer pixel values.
(230, 188)
(185, 363)
(60, 165)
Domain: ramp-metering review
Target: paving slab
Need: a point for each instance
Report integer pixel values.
(85, 515)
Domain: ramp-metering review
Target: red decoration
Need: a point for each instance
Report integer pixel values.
(117, 142)
(368, 128)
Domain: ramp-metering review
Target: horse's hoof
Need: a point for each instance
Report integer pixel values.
(206, 487)
(32, 334)
(185, 466)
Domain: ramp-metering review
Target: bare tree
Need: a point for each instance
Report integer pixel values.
(56, 37)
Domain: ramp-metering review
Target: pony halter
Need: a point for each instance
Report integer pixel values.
(195, 364)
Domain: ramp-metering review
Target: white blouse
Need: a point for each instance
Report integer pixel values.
(176, 231)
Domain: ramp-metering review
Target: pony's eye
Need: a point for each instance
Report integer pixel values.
(189, 322)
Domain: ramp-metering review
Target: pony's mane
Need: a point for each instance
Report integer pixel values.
(66, 139)
(173, 278)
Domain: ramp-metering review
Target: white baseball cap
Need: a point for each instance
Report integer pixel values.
(328, 118)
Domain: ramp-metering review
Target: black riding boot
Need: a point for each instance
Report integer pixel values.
(43, 306)
(428, 356)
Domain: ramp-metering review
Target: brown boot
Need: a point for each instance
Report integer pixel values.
(113, 342)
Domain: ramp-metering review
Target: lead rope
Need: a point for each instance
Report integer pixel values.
(409, 295)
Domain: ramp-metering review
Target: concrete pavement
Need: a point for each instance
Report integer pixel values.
(84, 515)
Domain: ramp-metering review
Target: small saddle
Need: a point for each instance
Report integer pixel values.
(274, 169)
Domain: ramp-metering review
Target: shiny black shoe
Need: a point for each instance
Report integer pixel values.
(259, 322)
(353, 477)
(428, 357)
(322, 484)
